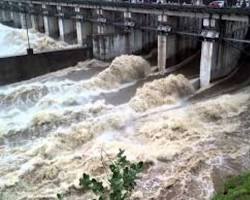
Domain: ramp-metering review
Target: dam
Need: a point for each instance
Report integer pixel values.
(81, 80)
(111, 29)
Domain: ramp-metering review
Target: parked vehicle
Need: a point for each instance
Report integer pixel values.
(217, 4)
(242, 4)
(146, 1)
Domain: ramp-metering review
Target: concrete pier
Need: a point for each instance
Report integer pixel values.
(209, 52)
(6, 15)
(83, 31)
(37, 22)
(1, 15)
(25, 20)
(17, 20)
(12, 16)
(66, 26)
(104, 37)
(66, 29)
(34, 22)
(129, 25)
(162, 42)
(208, 61)
(110, 42)
(162, 51)
(50, 23)
(51, 26)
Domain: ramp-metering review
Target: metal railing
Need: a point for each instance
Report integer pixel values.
(127, 5)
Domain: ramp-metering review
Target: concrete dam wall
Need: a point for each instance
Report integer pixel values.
(112, 29)
(18, 68)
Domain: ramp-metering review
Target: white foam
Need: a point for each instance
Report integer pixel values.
(179, 141)
(14, 41)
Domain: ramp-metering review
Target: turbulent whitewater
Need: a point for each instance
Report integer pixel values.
(14, 41)
(57, 126)
(161, 91)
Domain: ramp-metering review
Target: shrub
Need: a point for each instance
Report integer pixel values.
(121, 183)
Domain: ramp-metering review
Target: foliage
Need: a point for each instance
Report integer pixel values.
(59, 196)
(121, 183)
(237, 188)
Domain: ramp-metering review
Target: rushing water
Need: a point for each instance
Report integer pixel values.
(57, 126)
(14, 41)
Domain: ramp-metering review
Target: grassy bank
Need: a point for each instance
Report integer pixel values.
(237, 188)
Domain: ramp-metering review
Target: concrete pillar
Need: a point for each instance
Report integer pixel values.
(50, 23)
(16, 19)
(1, 15)
(102, 50)
(198, 2)
(101, 31)
(37, 22)
(11, 15)
(11, 12)
(34, 23)
(162, 52)
(208, 61)
(66, 27)
(83, 31)
(6, 15)
(209, 53)
(25, 20)
(79, 32)
(128, 49)
(102, 26)
(163, 31)
(50, 26)
(36, 19)
(129, 25)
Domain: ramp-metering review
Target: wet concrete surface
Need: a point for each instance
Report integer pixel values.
(239, 79)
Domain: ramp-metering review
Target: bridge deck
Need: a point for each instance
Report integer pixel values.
(170, 9)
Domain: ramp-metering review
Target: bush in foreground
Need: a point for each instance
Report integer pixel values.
(121, 183)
